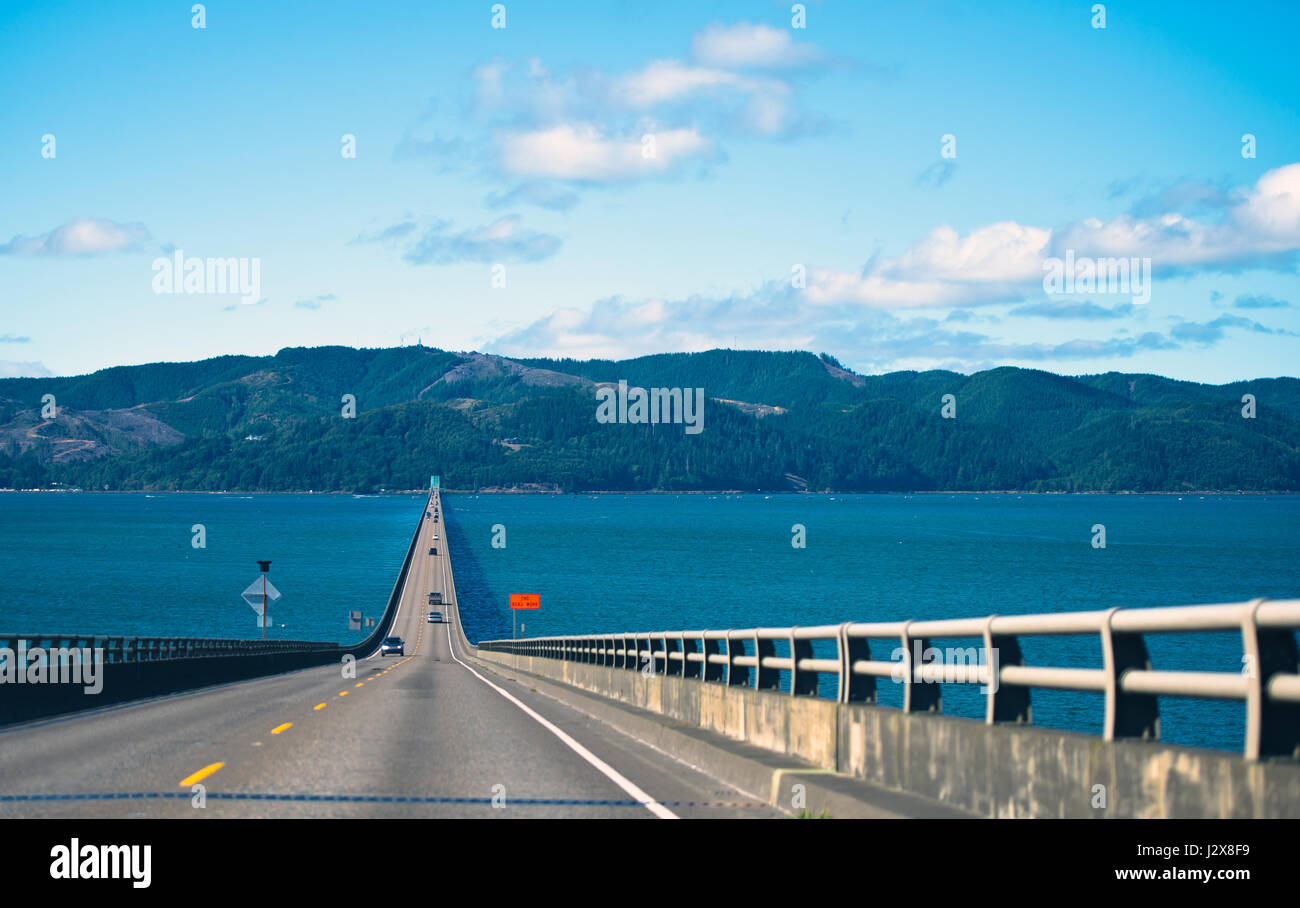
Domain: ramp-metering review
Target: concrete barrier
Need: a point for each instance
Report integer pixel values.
(1001, 770)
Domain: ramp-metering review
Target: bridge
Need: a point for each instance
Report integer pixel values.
(763, 722)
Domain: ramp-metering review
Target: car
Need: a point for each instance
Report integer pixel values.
(392, 646)
(433, 550)
(435, 537)
(435, 617)
(435, 598)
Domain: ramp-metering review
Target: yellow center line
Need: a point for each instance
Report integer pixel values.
(200, 775)
(319, 706)
(361, 684)
(280, 728)
(343, 693)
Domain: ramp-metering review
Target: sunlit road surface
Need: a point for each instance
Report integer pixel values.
(426, 735)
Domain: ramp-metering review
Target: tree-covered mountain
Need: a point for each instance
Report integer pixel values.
(772, 421)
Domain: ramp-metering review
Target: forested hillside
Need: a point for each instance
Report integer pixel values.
(772, 421)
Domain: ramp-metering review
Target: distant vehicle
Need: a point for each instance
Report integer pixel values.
(433, 550)
(435, 617)
(435, 537)
(392, 646)
(435, 598)
(427, 514)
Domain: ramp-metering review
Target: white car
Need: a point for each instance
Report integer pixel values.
(435, 537)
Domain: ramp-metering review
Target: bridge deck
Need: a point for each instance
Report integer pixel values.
(428, 727)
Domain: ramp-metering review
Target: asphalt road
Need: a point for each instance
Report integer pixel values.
(428, 735)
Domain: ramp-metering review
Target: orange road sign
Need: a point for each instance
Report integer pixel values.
(525, 600)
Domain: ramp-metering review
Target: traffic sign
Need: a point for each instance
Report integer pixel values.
(525, 600)
(354, 620)
(260, 588)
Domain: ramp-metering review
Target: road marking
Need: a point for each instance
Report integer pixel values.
(343, 693)
(319, 706)
(280, 728)
(608, 771)
(200, 775)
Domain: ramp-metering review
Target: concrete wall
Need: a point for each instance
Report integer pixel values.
(996, 771)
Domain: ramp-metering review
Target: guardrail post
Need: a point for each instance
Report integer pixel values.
(854, 688)
(918, 696)
(1127, 715)
(690, 669)
(1272, 726)
(801, 682)
(670, 646)
(737, 675)
(1005, 704)
(765, 678)
(712, 671)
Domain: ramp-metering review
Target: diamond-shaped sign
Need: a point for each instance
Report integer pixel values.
(261, 587)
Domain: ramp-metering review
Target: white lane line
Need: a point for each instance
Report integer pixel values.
(608, 771)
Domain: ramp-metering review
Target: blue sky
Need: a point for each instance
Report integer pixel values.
(655, 177)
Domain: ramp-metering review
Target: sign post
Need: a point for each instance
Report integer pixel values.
(259, 594)
(518, 601)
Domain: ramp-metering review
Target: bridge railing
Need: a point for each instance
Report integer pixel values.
(120, 650)
(1268, 682)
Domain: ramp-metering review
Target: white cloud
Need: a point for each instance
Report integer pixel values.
(9, 369)
(583, 152)
(83, 236)
(1004, 262)
(501, 241)
(745, 45)
(669, 80)
(875, 341)
(1272, 209)
(763, 106)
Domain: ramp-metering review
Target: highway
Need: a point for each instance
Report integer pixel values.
(428, 735)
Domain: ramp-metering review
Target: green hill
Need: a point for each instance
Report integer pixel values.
(773, 421)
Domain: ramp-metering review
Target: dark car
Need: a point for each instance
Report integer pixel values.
(435, 598)
(433, 550)
(392, 646)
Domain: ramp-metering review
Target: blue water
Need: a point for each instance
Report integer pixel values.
(124, 564)
(625, 563)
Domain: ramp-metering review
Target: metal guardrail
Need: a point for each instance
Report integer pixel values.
(1269, 682)
(119, 650)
